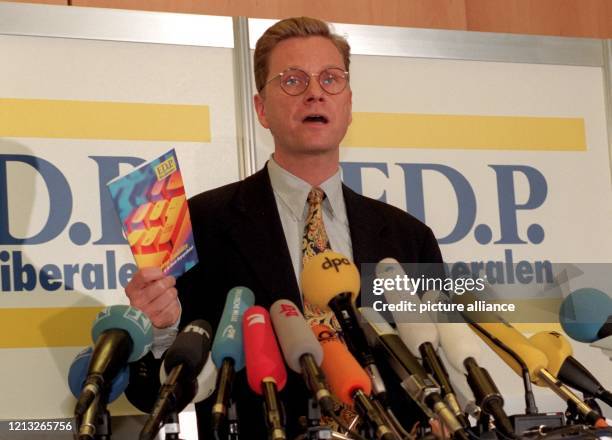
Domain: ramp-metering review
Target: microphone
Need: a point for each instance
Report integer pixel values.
(205, 381)
(266, 372)
(121, 334)
(520, 354)
(585, 315)
(301, 350)
(463, 352)
(77, 374)
(423, 338)
(410, 326)
(564, 366)
(144, 382)
(227, 350)
(330, 281)
(348, 381)
(419, 385)
(183, 362)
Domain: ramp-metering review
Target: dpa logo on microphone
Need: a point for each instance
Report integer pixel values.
(335, 263)
(257, 318)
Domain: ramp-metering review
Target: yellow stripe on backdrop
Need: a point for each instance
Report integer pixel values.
(44, 118)
(71, 327)
(46, 327)
(469, 132)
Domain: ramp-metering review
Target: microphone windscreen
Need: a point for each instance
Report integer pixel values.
(342, 371)
(459, 343)
(533, 358)
(129, 319)
(78, 373)
(263, 358)
(228, 340)
(556, 348)
(494, 324)
(294, 335)
(326, 275)
(415, 334)
(190, 349)
(206, 380)
(413, 328)
(583, 313)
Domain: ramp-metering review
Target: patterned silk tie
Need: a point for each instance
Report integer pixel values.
(314, 242)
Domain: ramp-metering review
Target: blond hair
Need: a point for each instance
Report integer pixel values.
(296, 27)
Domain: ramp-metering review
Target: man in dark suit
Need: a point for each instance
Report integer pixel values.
(249, 233)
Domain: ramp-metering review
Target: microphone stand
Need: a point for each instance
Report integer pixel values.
(172, 426)
(233, 431)
(96, 421)
(315, 431)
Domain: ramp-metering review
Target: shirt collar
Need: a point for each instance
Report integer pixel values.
(293, 191)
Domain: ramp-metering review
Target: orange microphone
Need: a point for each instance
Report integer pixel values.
(331, 281)
(348, 381)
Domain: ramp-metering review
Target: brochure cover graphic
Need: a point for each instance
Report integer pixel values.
(153, 212)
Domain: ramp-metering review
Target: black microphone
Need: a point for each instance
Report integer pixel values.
(565, 367)
(331, 281)
(488, 397)
(183, 362)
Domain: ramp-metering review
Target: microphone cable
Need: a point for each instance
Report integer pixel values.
(531, 407)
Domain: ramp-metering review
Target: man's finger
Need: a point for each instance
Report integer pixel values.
(145, 276)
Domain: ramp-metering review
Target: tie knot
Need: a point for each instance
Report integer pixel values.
(315, 196)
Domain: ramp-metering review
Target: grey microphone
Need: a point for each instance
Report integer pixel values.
(301, 349)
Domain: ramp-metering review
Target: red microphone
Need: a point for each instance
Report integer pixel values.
(265, 368)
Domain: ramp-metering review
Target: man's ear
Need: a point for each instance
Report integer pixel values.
(260, 108)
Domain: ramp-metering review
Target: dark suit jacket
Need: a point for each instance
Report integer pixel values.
(240, 242)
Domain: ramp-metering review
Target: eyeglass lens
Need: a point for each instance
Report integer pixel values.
(295, 81)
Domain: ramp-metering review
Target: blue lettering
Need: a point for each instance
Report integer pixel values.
(508, 206)
(351, 175)
(60, 200)
(50, 277)
(466, 201)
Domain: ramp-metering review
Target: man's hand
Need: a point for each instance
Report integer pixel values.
(154, 293)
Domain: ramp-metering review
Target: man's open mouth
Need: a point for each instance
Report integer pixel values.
(316, 118)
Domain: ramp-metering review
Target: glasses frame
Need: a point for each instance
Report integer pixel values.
(309, 76)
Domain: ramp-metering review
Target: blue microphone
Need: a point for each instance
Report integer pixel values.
(77, 374)
(227, 350)
(583, 315)
(121, 334)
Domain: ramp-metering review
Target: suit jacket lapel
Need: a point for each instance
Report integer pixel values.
(366, 226)
(258, 234)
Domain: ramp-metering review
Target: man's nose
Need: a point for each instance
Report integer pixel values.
(314, 91)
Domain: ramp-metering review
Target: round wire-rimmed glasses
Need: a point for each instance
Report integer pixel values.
(294, 81)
